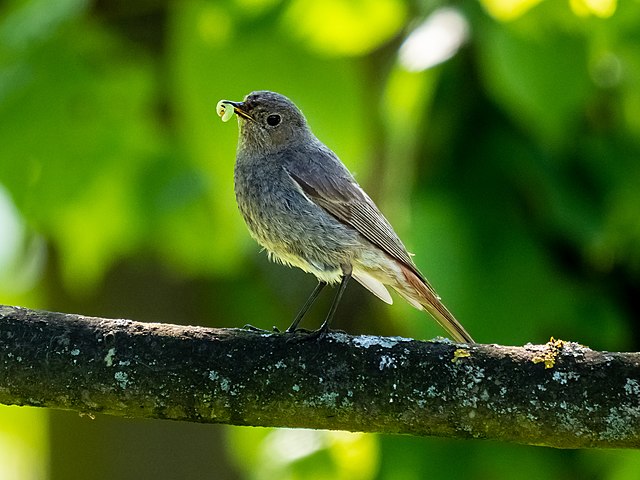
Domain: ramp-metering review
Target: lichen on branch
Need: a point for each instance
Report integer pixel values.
(561, 394)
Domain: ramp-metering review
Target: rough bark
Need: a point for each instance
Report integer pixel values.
(561, 394)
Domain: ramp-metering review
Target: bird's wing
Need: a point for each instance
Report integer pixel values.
(327, 183)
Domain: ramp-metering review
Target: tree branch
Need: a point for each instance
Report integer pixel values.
(560, 394)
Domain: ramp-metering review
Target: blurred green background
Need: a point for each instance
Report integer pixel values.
(500, 137)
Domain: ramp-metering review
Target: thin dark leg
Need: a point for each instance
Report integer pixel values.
(324, 328)
(312, 298)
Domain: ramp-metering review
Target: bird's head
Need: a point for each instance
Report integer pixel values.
(269, 122)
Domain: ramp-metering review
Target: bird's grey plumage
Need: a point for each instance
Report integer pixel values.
(304, 206)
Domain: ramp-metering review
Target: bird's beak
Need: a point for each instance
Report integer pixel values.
(240, 109)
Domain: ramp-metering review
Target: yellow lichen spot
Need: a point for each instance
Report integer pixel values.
(549, 361)
(460, 353)
(553, 349)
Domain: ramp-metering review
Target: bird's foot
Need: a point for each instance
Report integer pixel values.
(304, 335)
(296, 335)
(292, 331)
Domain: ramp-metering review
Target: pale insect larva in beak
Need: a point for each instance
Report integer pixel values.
(224, 110)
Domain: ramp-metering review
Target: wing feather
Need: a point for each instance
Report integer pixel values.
(330, 186)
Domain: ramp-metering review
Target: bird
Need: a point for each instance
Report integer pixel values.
(305, 208)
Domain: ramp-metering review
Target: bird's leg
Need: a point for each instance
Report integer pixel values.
(324, 328)
(312, 298)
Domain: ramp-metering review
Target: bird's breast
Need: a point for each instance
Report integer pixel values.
(287, 223)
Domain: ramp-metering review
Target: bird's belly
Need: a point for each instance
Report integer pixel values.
(295, 231)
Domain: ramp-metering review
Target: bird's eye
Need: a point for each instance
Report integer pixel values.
(273, 120)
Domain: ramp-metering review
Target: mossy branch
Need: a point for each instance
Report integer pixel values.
(560, 394)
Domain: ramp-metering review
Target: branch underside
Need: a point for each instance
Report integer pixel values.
(561, 394)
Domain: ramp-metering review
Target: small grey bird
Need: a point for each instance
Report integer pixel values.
(305, 208)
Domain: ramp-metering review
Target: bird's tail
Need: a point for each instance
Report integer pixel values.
(426, 298)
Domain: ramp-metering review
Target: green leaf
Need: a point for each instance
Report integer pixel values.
(541, 79)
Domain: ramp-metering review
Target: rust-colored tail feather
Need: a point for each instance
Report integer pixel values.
(431, 302)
